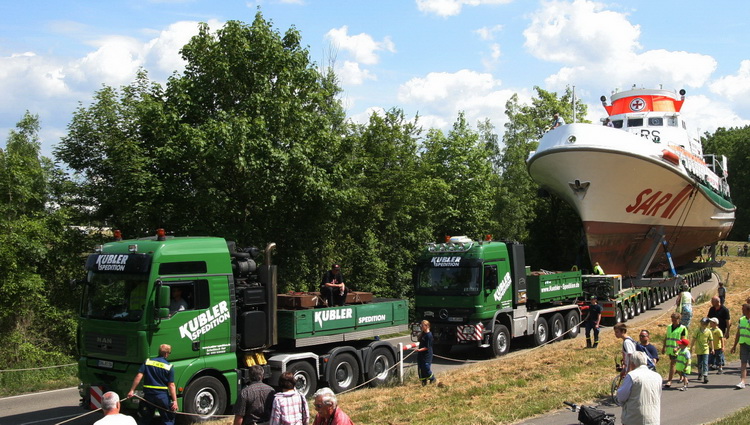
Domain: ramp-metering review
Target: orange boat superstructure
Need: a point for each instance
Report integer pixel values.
(639, 182)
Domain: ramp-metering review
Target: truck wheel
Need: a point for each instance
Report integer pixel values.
(307, 379)
(379, 369)
(631, 310)
(620, 315)
(205, 396)
(541, 332)
(500, 340)
(342, 372)
(556, 327)
(571, 324)
(638, 306)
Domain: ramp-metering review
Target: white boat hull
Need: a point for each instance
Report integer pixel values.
(623, 188)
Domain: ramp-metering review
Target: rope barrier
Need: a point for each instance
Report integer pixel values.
(79, 416)
(37, 368)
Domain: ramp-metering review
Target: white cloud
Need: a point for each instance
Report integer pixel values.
(114, 62)
(163, 51)
(51, 86)
(364, 117)
(439, 97)
(735, 88)
(488, 33)
(28, 74)
(362, 47)
(581, 31)
(351, 74)
(452, 7)
(601, 47)
(705, 115)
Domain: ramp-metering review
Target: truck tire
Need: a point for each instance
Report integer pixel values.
(342, 373)
(500, 340)
(541, 332)
(638, 306)
(379, 367)
(631, 310)
(572, 328)
(307, 379)
(620, 315)
(206, 396)
(556, 327)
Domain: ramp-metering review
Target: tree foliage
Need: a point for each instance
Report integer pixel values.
(733, 143)
(31, 232)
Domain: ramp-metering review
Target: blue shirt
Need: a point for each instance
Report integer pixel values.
(158, 373)
(425, 341)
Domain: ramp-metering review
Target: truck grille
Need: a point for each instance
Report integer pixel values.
(96, 342)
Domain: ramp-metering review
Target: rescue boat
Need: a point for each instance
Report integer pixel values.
(642, 186)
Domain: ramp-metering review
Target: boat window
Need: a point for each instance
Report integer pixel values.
(617, 123)
(684, 127)
(672, 121)
(635, 122)
(656, 121)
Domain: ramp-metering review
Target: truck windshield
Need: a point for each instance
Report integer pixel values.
(448, 280)
(115, 297)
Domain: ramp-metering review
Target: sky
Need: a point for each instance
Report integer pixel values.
(430, 58)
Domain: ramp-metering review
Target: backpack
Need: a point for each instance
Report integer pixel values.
(593, 416)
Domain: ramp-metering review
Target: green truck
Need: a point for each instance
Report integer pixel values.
(216, 305)
(482, 293)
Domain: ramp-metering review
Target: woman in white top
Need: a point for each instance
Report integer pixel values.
(685, 306)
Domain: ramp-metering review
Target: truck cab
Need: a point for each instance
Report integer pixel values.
(478, 292)
(142, 293)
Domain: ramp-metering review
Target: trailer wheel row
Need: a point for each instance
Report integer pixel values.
(344, 370)
(649, 299)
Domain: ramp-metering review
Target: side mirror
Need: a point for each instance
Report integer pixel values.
(163, 301)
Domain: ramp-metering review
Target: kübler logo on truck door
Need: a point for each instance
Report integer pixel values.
(504, 285)
(205, 321)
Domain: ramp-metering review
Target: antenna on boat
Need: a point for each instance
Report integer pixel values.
(574, 104)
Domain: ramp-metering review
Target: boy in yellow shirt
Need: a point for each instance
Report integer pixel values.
(702, 346)
(716, 359)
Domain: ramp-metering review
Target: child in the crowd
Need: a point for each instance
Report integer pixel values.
(702, 346)
(716, 360)
(683, 362)
(722, 292)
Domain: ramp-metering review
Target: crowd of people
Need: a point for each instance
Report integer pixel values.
(641, 386)
(258, 404)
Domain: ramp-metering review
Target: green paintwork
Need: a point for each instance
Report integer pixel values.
(295, 324)
(544, 288)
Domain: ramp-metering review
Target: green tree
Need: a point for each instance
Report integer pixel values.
(242, 144)
(459, 166)
(29, 230)
(548, 226)
(733, 143)
(386, 216)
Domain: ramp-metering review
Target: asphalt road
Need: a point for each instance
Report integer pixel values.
(697, 405)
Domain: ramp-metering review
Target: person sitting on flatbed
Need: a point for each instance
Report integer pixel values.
(332, 288)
